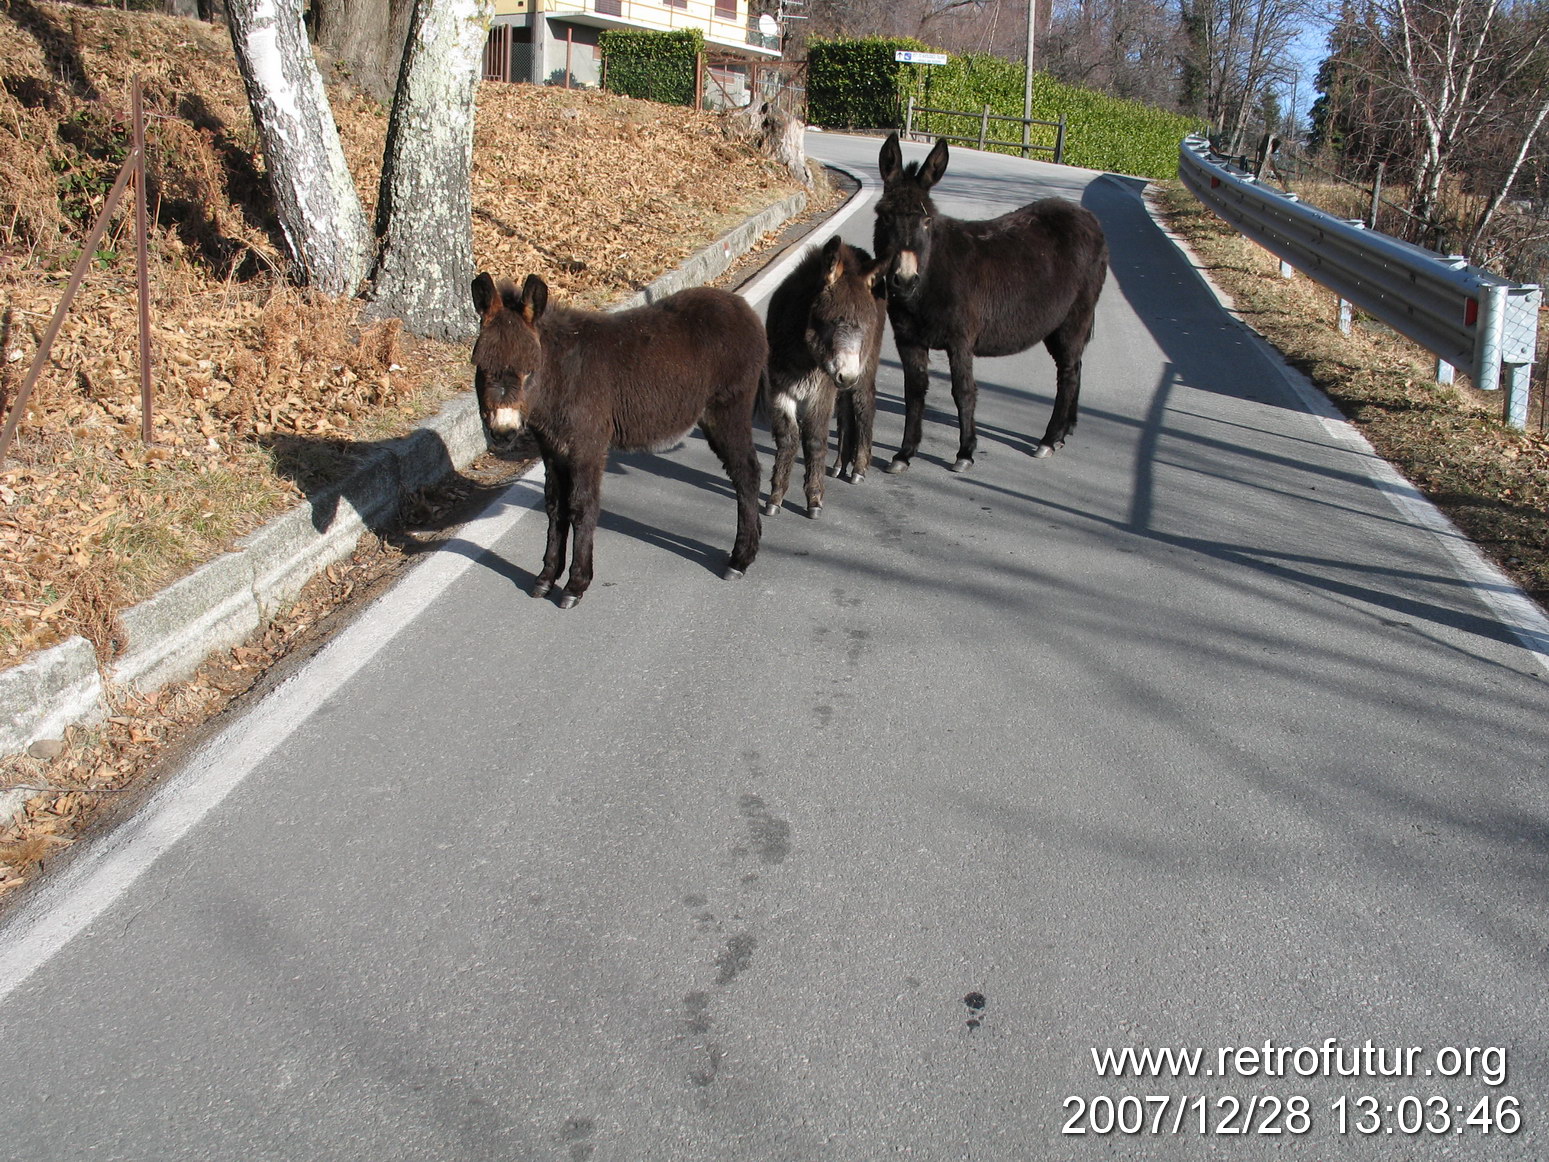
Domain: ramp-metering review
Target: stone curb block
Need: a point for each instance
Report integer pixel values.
(717, 258)
(225, 601)
(49, 691)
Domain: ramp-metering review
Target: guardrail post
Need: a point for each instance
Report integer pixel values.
(909, 120)
(1492, 310)
(984, 126)
(1346, 317)
(1519, 378)
(1059, 142)
(1519, 349)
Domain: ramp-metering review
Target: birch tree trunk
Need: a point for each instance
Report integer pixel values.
(319, 211)
(425, 212)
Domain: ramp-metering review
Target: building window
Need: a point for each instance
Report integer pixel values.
(676, 3)
(726, 9)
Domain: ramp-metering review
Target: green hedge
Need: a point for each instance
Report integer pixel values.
(1101, 132)
(857, 84)
(655, 66)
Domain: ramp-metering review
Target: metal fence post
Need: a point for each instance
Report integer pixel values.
(82, 264)
(984, 126)
(1059, 142)
(142, 268)
(909, 120)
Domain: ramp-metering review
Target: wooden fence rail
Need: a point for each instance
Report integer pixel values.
(983, 139)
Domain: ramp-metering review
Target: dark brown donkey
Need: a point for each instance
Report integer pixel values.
(583, 382)
(825, 329)
(991, 287)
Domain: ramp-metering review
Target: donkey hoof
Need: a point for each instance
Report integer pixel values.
(731, 574)
(1047, 450)
(814, 511)
(541, 588)
(897, 465)
(772, 508)
(962, 464)
(857, 477)
(568, 600)
(833, 470)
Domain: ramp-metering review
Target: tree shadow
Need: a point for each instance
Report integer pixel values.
(60, 50)
(190, 216)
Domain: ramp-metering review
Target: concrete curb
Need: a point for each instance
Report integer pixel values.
(223, 602)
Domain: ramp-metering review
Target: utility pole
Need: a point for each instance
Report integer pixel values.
(1027, 84)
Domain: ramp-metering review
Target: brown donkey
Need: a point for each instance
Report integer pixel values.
(583, 382)
(825, 329)
(992, 287)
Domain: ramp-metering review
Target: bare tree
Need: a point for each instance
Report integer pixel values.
(1460, 88)
(318, 208)
(1234, 52)
(1129, 48)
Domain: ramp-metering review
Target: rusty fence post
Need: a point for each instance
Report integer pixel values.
(19, 406)
(142, 267)
(133, 170)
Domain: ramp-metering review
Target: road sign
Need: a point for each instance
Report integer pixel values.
(904, 56)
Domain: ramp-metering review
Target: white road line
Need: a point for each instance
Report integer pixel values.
(105, 871)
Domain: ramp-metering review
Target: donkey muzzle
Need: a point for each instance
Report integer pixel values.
(905, 275)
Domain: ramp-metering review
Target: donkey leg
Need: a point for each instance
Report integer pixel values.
(965, 393)
(814, 445)
(728, 429)
(863, 411)
(782, 422)
(844, 433)
(1067, 346)
(556, 501)
(916, 361)
(585, 506)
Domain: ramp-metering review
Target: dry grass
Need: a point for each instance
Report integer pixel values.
(263, 392)
(1448, 440)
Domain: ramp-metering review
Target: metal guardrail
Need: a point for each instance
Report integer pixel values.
(1463, 315)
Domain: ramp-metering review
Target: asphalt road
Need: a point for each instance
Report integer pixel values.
(1193, 735)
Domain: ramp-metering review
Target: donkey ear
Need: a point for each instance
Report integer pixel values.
(935, 164)
(535, 298)
(876, 275)
(484, 294)
(891, 160)
(833, 261)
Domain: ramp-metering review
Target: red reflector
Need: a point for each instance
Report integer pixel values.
(1215, 183)
(1470, 312)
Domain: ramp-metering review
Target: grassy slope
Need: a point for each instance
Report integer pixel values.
(262, 391)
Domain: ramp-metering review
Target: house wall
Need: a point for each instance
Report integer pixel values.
(540, 28)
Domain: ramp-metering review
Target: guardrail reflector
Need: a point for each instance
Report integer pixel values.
(1470, 312)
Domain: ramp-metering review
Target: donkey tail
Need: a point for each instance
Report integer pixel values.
(761, 401)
